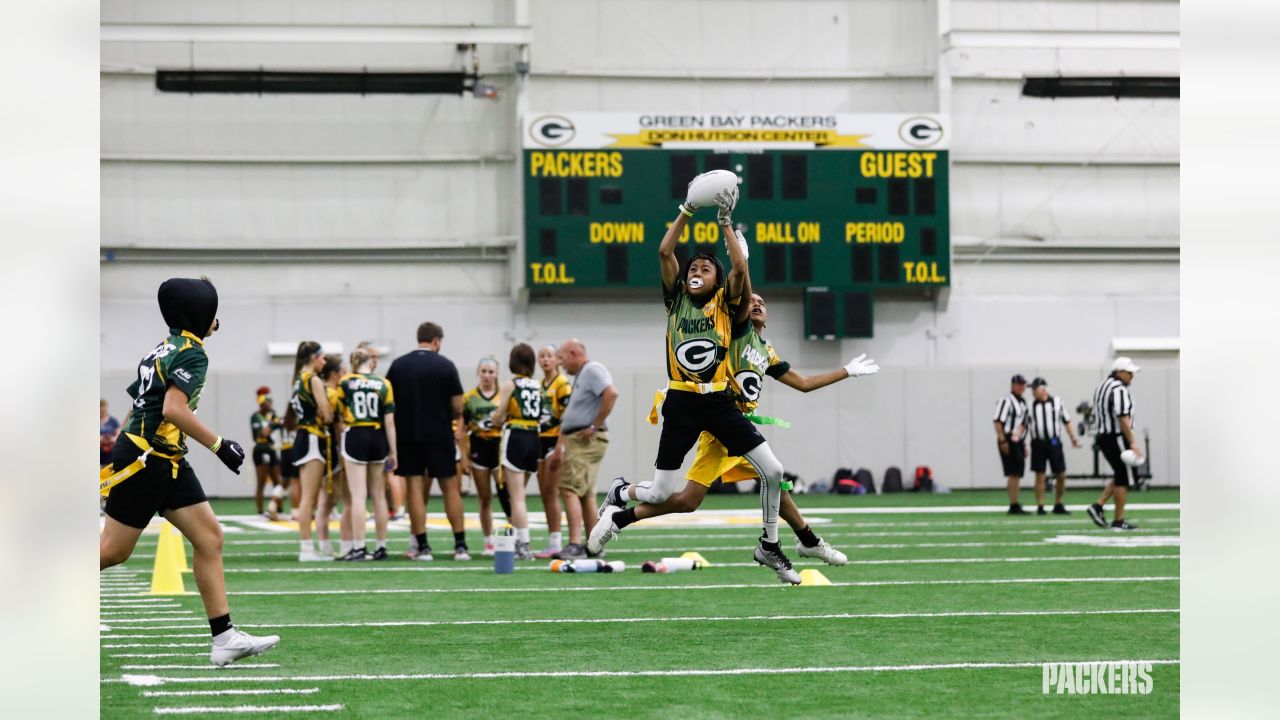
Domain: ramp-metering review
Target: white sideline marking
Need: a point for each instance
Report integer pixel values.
(238, 691)
(148, 612)
(155, 655)
(204, 635)
(153, 645)
(725, 618)
(113, 603)
(365, 568)
(685, 672)
(1118, 540)
(121, 621)
(236, 709)
(198, 667)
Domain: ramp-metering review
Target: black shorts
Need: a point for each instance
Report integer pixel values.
(548, 444)
(151, 490)
(1014, 462)
(309, 448)
(265, 455)
(686, 415)
(484, 452)
(365, 445)
(287, 468)
(429, 458)
(1047, 452)
(521, 449)
(1111, 447)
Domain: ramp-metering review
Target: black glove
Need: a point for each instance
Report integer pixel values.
(231, 455)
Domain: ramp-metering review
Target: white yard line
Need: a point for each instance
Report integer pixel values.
(157, 655)
(164, 636)
(236, 691)
(123, 621)
(207, 666)
(154, 645)
(725, 618)
(245, 709)
(683, 672)
(148, 612)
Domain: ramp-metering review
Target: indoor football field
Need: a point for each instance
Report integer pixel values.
(945, 601)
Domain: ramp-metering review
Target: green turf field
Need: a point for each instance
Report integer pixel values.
(449, 639)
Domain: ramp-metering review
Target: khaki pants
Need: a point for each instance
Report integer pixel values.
(582, 456)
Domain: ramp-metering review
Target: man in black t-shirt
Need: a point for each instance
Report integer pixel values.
(428, 399)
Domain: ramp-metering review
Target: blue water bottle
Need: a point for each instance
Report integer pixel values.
(504, 552)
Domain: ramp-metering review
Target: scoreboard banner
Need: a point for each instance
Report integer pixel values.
(848, 202)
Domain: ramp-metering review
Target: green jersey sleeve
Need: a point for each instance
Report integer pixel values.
(777, 366)
(388, 397)
(187, 370)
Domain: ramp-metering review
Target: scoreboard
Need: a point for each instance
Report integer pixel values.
(841, 201)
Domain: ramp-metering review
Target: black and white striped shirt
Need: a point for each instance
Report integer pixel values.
(1111, 402)
(1011, 412)
(1048, 417)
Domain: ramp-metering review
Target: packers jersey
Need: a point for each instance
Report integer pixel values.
(179, 360)
(304, 405)
(525, 406)
(750, 359)
(697, 336)
(365, 399)
(555, 398)
(261, 425)
(477, 413)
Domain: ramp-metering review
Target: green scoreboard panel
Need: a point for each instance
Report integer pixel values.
(844, 219)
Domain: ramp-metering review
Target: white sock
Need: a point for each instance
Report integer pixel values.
(304, 545)
(488, 539)
(346, 546)
(382, 544)
(553, 540)
(522, 535)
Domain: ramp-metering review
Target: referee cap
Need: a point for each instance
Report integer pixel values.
(1018, 379)
(1125, 364)
(1039, 382)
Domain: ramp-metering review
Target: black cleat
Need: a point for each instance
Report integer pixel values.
(1122, 525)
(772, 557)
(1040, 510)
(614, 496)
(1016, 509)
(379, 554)
(1095, 514)
(1060, 509)
(572, 551)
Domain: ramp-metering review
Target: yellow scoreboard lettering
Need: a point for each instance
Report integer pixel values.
(616, 233)
(923, 273)
(897, 164)
(550, 274)
(788, 233)
(576, 164)
(702, 232)
(874, 232)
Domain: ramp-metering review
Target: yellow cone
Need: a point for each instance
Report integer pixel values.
(813, 577)
(166, 576)
(697, 559)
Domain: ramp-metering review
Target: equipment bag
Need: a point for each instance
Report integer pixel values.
(892, 481)
(842, 482)
(924, 479)
(864, 478)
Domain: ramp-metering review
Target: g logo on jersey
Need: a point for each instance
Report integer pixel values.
(751, 383)
(697, 354)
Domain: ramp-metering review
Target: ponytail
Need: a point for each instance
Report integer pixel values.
(306, 349)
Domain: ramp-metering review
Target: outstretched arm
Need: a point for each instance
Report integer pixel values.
(857, 367)
(733, 239)
(667, 251)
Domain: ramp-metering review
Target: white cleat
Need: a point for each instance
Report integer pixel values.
(313, 556)
(823, 551)
(776, 561)
(604, 531)
(239, 645)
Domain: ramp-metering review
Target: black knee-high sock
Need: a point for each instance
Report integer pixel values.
(460, 539)
(220, 624)
(623, 518)
(422, 540)
(504, 499)
(806, 537)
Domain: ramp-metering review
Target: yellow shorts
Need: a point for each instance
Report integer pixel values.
(712, 462)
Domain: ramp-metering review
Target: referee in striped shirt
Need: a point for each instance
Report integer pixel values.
(1113, 408)
(1048, 418)
(1011, 425)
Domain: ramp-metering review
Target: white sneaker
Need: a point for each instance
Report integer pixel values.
(240, 644)
(312, 556)
(488, 550)
(461, 554)
(605, 530)
(823, 551)
(423, 555)
(776, 561)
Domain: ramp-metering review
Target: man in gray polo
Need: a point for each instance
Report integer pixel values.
(584, 436)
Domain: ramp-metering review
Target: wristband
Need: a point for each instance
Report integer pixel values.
(686, 211)
(216, 445)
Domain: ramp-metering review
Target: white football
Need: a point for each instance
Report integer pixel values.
(704, 188)
(1131, 458)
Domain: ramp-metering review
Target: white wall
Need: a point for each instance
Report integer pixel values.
(1064, 213)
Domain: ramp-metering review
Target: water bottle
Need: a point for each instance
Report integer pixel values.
(504, 552)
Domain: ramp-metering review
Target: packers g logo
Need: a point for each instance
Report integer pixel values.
(751, 384)
(552, 130)
(697, 354)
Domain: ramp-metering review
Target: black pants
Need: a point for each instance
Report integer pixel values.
(1014, 462)
(1111, 447)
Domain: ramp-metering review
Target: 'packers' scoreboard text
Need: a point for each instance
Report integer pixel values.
(842, 201)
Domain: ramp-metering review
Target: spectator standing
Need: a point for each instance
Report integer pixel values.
(584, 436)
(1048, 418)
(108, 431)
(428, 400)
(1011, 425)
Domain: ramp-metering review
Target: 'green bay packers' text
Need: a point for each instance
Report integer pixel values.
(575, 164)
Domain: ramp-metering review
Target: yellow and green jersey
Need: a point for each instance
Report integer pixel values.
(365, 399)
(697, 336)
(261, 425)
(304, 405)
(751, 357)
(179, 360)
(555, 398)
(477, 413)
(525, 406)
